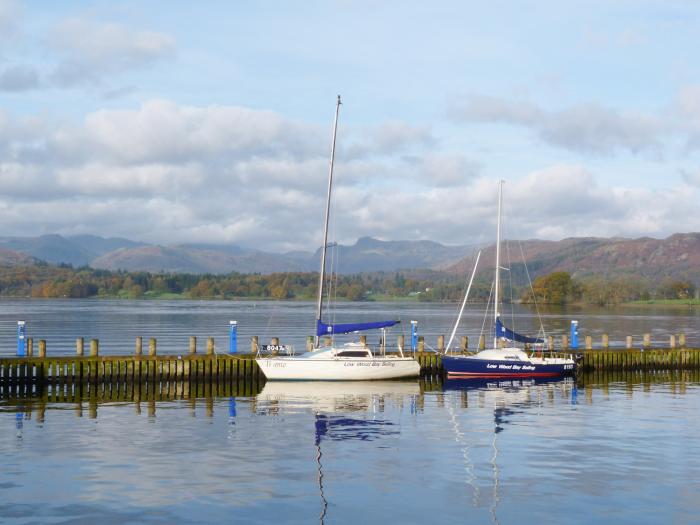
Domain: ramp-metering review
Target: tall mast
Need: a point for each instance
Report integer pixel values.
(498, 262)
(322, 274)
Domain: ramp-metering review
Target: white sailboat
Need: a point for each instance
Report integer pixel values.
(508, 361)
(351, 361)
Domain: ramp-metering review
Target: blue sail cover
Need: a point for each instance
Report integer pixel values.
(507, 333)
(345, 328)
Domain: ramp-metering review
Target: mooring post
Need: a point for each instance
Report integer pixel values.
(210, 346)
(574, 335)
(42, 348)
(421, 344)
(589, 342)
(94, 347)
(80, 347)
(21, 338)
(564, 342)
(193, 344)
(152, 346)
(309, 343)
(441, 343)
(464, 346)
(550, 343)
(400, 342)
(646, 341)
(672, 341)
(254, 344)
(139, 346)
(681, 340)
(482, 342)
(605, 340)
(233, 337)
(628, 342)
(30, 346)
(414, 336)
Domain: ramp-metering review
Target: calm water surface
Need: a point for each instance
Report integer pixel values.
(117, 323)
(610, 449)
(386, 452)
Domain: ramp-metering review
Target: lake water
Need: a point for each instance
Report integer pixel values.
(117, 323)
(610, 449)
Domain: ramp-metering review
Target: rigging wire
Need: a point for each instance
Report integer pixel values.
(532, 291)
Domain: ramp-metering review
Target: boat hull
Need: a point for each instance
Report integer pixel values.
(465, 366)
(341, 369)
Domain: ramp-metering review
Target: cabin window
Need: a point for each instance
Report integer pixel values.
(352, 353)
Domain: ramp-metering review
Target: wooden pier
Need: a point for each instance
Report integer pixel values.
(21, 373)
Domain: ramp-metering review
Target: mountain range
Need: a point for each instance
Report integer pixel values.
(677, 256)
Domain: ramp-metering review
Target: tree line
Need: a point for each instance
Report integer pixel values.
(47, 281)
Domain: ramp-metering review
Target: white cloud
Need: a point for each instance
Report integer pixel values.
(19, 78)
(167, 173)
(587, 128)
(89, 50)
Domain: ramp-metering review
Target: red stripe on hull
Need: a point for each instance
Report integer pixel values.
(506, 374)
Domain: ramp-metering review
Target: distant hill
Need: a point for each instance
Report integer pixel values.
(366, 255)
(78, 250)
(677, 256)
(186, 259)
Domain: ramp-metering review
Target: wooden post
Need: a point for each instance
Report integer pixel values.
(42, 348)
(672, 341)
(647, 341)
(139, 346)
(421, 344)
(564, 342)
(628, 342)
(550, 342)
(400, 342)
(210, 346)
(309, 343)
(464, 345)
(605, 340)
(589, 342)
(193, 344)
(441, 343)
(254, 344)
(482, 342)
(681, 340)
(30, 347)
(152, 344)
(80, 346)
(94, 347)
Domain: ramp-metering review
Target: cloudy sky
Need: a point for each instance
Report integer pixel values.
(173, 122)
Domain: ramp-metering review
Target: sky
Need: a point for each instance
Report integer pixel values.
(184, 122)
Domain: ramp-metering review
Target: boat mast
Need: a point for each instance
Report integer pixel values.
(498, 262)
(322, 274)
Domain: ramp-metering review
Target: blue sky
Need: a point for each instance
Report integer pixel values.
(185, 122)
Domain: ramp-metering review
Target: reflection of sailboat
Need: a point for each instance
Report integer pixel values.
(337, 408)
(503, 397)
(352, 361)
(505, 362)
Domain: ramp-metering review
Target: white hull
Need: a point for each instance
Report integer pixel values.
(338, 369)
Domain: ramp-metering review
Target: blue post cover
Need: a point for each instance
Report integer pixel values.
(574, 334)
(21, 338)
(233, 337)
(414, 336)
